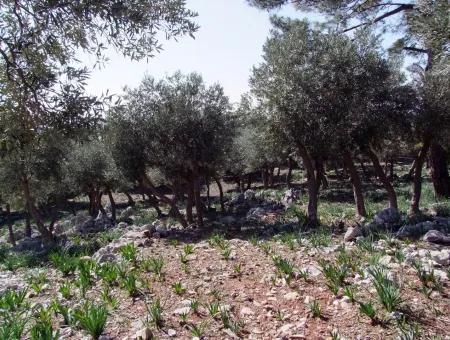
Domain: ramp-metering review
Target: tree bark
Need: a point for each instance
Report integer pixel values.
(147, 183)
(392, 196)
(322, 178)
(12, 238)
(197, 198)
(356, 184)
(313, 188)
(130, 199)
(46, 235)
(189, 202)
(208, 197)
(249, 181)
(289, 173)
(219, 185)
(113, 205)
(417, 180)
(27, 221)
(439, 170)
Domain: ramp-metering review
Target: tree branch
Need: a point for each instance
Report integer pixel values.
(401, 8)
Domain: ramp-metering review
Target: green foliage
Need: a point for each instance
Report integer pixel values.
(156, 265)
(43, 329)
(64, 310)
(334, 274)
(213, 309)
(129, 252)
(108, 272)
(188, 249)
(315, 309)
(155, 314)
(368, 309)
(226, 253)
(178, 288)
(195, 305)
(92, 318)
(198, 330)
(284, 267)
(129, 283)
(65, 263)
(388, 291)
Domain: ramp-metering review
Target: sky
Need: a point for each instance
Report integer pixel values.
(227, 45)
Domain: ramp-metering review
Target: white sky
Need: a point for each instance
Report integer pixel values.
(227, 45)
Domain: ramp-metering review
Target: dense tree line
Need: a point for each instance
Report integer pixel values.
(324, 96)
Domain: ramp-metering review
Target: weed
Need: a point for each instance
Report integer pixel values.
(369, 310)
(284, 267)
(184, 259)
(65, 263)
(226, 253)
(178, 288)
(108, 298)
(238, 268)
(320, 238)
(109, 273)
(12, 300)
(66, 290)
(304, 274)
(188, 249)
(195, 305)
(350, 292)
(183, 318)
(400, 256)
(156, 266)
(173, 242)
(155, 314)
(366, 244)
(335, 335)
(279, 315)
(388, 291)
(92, 318)
(334, 274)
(213, 309)
(12, 327)
(198, 331)
(265, 246)
(129, 283)
(64, 310)
(254, 240)
(315, 309)
(217, 240)
(43, 329)
(129, 252)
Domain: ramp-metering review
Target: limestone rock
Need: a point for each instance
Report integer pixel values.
(435, 236)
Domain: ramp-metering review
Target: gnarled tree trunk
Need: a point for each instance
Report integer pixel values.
(113, 205)
(46, 234)
(356, 184)
(219, 185)
(312, 183)
(392, 196)
(12, 238)
(190, 202)
(289, 173)
(439, 170)
(417, 180)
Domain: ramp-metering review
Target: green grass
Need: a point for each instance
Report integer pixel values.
(92, 319)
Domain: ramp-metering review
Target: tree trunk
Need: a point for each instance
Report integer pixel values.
(313, 188)
(417, 180)
(113, 205)
(46, 235)
(12, 238)
(189, 202)
(27, 221)
(208, 197)
(391, 170)
(219, 185)
(289, 173)
(147, 183)
(363, 169)
(439, 170)
(98, 202)
(198, 203)
(249, 181)
(392, 196)
(356, 184)
(321, 175)
(130, 199)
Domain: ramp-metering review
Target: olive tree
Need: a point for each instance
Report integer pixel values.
(179, 127)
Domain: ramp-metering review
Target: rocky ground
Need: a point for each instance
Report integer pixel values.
(253, 274)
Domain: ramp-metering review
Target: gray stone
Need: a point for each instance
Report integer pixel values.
(290, 197)
(388, 215)
(126, 213)
(415, 230)
(441, 257)
(182, 310)
(435, 236)
(227, 220)
(249, 195)
(352, 233)
(143, 334)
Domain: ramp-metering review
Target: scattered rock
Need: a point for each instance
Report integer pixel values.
(182, 310)
(435, 236)
(245, 311)
(143, 334)
(441, 257)
(352, 233)
(387, 216)
(291, 296)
